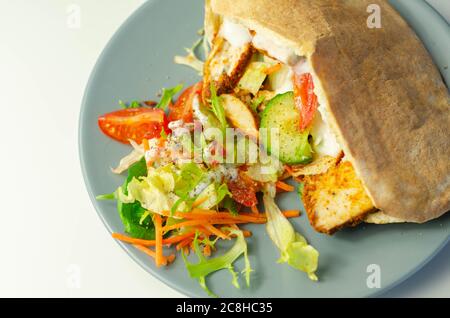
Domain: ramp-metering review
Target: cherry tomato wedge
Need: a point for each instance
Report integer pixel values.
(133, 123)
(243, 191)
(182, 109)
(305, 99)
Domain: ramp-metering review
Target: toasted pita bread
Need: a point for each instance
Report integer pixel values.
(385, 99)
(381, 218)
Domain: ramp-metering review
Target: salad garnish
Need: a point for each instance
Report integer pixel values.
(201, 162)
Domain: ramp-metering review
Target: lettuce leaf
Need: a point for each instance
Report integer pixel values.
(230, 205)
(168, 94)
(293, 247)
(191, 59)
(206, 266)
(217, 107)
(267, 170)
(126, 162)
(190, 175)
(153, 191)
(222, 192)
(131, 213)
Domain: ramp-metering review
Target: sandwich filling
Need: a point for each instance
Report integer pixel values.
(324, 142)
(264, 75)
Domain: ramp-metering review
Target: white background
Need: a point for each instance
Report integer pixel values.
(50, 232)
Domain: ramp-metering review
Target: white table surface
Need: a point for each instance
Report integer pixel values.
(50, 232)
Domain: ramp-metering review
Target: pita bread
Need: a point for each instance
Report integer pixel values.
(386, 101)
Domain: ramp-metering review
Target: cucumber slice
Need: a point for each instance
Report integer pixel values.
(281, 114)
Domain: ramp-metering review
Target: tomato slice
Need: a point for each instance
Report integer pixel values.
(305, 99)
(243, 191)
(182, 109)
(133, 123)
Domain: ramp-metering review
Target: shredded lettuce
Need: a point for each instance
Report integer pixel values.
(206, 266)
(191, 174)
(209, 194)
(266, 171)
(167, 96)
(106, 197)
(133, 104)
(132, 214)
(126, 162)
(230, 205)
(301, 187)
(222, 192)
(153, 191)
(217, 107)
(293, 247)
(191, 59)
(258, 101)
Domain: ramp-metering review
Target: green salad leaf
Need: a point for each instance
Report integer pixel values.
(293, 247)
(301, 187)
(192, 59)
(256, 103)
(222, 192)
(191, 174)
(230, 205)
(217, 107)
(133, 104)
(167, 96)
(106, 197)
(132, 213)
(206, 266)
(153, 191)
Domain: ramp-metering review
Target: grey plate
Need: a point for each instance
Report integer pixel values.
(138, 62)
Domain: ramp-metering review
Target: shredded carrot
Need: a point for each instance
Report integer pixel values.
(186, 250)
(216, 231)
(255, 209)
(289, 170)
(291, 213)
(234, 221)
(292, 174)
(178, 238)
(245, 232)
(146, 250)
(131, 240)
(169, 241)
(146, 144)
(171, 258)
(209, 216)
(297, 179)
(234, 226)
(203, 230)
(161, 142)
(284, 186)
(158, 238)
(273, 69)
(197, 213)
(184, 243)
(207, 250)
(184, 224)
(199, 202)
